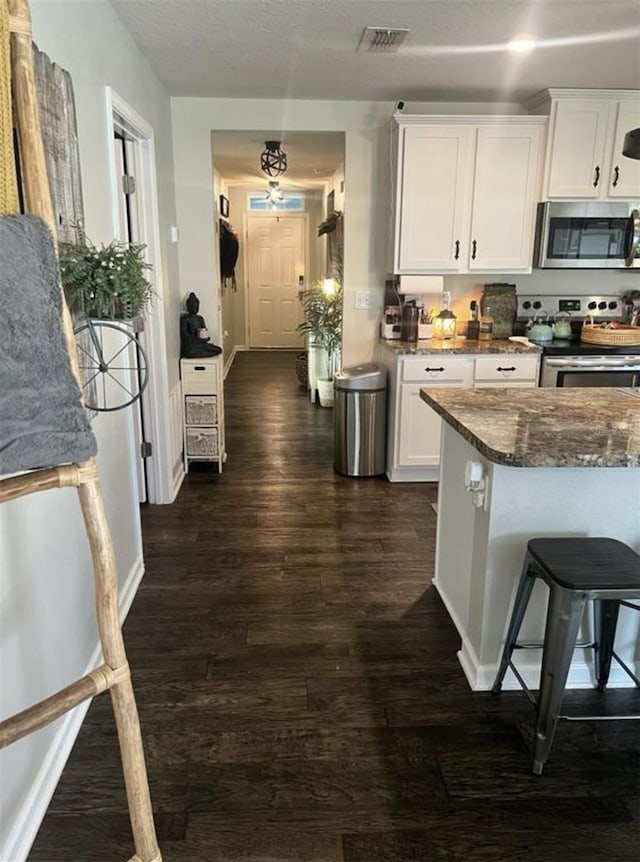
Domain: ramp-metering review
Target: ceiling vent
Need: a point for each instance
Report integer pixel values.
(382, 40)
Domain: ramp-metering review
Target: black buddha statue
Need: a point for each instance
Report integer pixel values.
(194, 338)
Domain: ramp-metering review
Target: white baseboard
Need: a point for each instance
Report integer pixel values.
(413, 474)
(178, 479)
(237, 348)
(482, 676)
(25, 828)
(581, 675)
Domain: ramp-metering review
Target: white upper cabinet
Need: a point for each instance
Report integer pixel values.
(466, 194)
(584, 158)
(504, 198)
(624, 178)
(434, 203)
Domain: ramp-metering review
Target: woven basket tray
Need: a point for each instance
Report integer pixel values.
(610, 337)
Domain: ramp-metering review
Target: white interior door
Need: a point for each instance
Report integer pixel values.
(126, 160)
(276, 255)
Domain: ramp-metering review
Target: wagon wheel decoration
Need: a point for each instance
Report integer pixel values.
(113, 365)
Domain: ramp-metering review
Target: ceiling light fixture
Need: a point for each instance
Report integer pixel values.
(521, 46)
(275, 195)
(631, 146)
(272, 160)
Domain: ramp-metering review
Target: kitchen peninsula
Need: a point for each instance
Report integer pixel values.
(549, 462)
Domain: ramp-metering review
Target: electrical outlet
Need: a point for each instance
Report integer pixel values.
(362, 299)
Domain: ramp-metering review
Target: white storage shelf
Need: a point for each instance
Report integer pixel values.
(203, 410)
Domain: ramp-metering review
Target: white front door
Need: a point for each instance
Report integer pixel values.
(276, 256)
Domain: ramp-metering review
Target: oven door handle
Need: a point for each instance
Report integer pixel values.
(623, 363)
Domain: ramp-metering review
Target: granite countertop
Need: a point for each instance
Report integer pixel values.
(458, 345)
(589, 427)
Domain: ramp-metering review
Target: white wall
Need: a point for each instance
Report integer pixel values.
(367, 213)
(47, 629)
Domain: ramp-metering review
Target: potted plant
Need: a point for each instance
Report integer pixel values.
(322, 304)
(105, 281)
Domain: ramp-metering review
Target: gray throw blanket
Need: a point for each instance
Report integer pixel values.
(42, 420)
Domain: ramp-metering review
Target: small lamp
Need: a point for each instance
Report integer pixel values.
(444, 325)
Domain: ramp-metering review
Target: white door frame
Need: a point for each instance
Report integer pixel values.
(155, 399)
(245, 252)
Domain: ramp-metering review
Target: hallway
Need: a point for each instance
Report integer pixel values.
(298, 686)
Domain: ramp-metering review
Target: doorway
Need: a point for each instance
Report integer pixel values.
(135, 219)
(315, 168)
(276, 270)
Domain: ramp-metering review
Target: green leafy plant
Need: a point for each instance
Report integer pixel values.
(106, 280)
(322, 304)
(330, 223)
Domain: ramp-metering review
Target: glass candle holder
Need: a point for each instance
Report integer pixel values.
(444, 325)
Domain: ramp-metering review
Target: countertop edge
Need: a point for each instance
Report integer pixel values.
(506, 459)
(494, 455)
(456, 346)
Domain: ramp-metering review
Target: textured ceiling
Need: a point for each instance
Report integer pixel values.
(307, 49)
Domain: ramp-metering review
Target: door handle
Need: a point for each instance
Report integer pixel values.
(457, 252)
(474, 249)
(616, 176)
(597, 177)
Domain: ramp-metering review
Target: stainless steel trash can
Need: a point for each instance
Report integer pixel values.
(360, 415)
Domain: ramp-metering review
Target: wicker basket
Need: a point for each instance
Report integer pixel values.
(610, 337)
(201, 409)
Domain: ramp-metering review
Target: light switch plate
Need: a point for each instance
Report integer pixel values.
(362, 299)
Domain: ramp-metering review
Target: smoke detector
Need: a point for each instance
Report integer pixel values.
(382, 40)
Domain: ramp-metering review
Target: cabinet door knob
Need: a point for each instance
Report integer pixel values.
(474, 249)
(441, 368)
(457, 252)
(506, 368)
(616, 176)
(597, 177)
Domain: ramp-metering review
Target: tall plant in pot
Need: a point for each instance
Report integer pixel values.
(322, 305)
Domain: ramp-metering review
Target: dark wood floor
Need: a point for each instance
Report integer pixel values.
(298, 687)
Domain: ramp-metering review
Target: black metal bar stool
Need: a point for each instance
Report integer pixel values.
(576, 570)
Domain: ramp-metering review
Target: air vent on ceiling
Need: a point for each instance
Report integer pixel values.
(382, 39)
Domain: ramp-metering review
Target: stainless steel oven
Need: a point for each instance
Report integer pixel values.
(580, 371)
(571, 362)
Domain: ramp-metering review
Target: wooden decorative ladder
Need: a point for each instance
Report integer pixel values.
(114, 675)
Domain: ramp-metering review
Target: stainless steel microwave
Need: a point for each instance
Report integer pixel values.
(588, 235)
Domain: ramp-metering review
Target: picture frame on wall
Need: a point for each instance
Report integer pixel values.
(224, 206)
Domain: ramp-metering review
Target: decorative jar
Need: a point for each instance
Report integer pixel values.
(502, 300)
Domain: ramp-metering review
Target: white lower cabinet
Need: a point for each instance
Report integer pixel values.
(506, 370)
(414, 429)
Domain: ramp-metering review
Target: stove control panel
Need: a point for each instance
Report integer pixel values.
(579, 307)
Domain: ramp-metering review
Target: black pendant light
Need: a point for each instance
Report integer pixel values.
(631, 146)
(272, 160)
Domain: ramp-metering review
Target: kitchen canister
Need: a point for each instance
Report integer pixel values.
(503, 302)
(409, 322)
